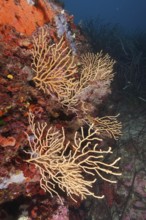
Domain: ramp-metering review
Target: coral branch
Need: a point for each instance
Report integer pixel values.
(54, 67)
(108, 124)
(64, 163)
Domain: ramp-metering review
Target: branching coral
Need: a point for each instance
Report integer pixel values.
(96, 67)
(72, 166)
(108, 124)
(96, 75)
(54, 67)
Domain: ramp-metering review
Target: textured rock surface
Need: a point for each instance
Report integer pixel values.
(19, 181)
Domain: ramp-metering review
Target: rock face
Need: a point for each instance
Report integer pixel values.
(21, 22)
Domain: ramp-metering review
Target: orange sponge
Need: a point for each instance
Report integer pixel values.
(23, 16)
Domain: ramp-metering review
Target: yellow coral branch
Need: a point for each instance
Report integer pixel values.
(54, 66)
(64, 163)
